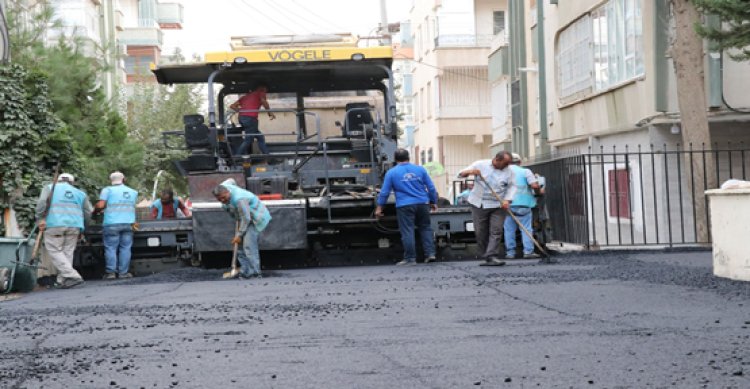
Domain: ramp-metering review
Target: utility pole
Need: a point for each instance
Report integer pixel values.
(385, 36)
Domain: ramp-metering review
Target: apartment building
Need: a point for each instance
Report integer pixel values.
(452, 113)
(609, 76)
(609, 83)
(96, 23)
(403, 67)
(142, 36)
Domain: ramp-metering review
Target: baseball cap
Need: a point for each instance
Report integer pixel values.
(515, 157)
(66, 177)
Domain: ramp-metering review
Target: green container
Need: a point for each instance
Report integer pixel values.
(16, 275)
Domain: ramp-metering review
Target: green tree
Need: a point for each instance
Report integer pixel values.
(735, 31)
(97, 135)
(31, 139)
(153, 109)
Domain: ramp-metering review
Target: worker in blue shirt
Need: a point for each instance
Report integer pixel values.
(415, 197)
(117, 202)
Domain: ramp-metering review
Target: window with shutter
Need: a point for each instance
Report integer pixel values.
(619, 193)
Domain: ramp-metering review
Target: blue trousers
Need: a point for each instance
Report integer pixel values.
(248, 255)
(415, 216)
(252, 132)
(118, 239)
(524, 216)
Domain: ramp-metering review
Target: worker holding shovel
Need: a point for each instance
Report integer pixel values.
(61, 212)
(253, 218)
(490, 200)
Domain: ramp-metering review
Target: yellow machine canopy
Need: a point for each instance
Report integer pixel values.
(288, 69)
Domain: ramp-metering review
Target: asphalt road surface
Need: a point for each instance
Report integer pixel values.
(614, 320)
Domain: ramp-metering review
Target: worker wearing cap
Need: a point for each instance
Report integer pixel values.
(69, 211)
(521, 207)
(253, 218)
(117, 202)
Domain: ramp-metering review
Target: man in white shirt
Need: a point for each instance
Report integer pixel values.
(487, 212)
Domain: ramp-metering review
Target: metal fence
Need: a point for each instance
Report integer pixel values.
(637, 196)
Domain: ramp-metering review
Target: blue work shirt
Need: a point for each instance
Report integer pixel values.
(121, 201)
(411, 183)
(249, 208)
(524, 196)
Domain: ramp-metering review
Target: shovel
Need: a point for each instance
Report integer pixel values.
(546, 258)
(235, 271)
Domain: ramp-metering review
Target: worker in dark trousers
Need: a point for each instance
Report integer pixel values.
(521, 207)
(488, 213)
(415, 197)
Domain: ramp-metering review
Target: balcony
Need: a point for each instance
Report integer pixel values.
(141, 36)
(170, 16)
(463, 41)
(119, 20)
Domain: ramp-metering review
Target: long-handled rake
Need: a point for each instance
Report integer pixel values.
(544, 252)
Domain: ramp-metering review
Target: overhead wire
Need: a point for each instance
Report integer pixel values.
(265, 15)
(302, 6)
(288, 11)
(284, 13)
(439, 68)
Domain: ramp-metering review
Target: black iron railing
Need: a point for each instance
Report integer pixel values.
(637, 196)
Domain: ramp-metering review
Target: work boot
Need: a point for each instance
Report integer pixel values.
(109, 276)
(69, 283)
(406, 262)
(429, 259)
(126, 275)
(493, 262)
(531, 256)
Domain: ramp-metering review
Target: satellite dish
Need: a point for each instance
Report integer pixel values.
(4, 39)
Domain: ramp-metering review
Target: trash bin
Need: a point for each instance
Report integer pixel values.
(16, 272)
(730, 229)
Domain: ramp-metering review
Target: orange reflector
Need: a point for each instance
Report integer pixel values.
(270, 196)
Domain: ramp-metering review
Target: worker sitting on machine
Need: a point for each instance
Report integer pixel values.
(166, 207)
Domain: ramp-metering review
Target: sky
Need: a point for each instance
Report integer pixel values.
(208, 25)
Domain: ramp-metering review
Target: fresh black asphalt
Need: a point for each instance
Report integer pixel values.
(593, 320)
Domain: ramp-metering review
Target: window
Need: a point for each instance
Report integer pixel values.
(422, 158)
(138, 64)
(428, 100)
(498, 22)
(602, 49)
(574, 58)
(619, 193)
(429, 155)
(618, 42)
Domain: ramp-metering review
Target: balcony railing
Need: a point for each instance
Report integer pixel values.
(141, 36)
(170, 16)
(463, 40)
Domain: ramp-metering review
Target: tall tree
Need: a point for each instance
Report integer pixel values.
(735, 31)
(688, 58)
(98, 136)
(153, 109)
